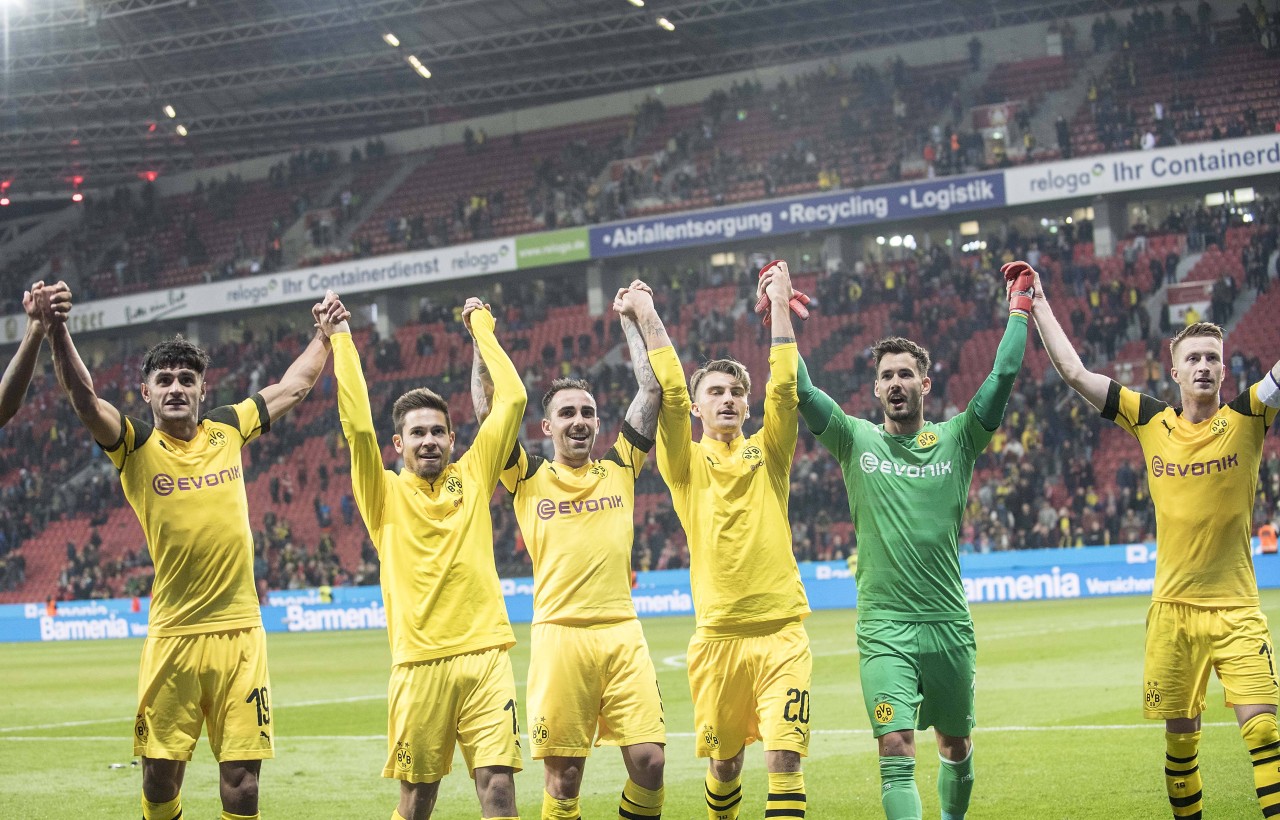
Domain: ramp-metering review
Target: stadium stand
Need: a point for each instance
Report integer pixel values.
(66, 531)
(1179, 87)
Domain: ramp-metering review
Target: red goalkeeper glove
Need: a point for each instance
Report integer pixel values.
(799, 301)
(1020, 280)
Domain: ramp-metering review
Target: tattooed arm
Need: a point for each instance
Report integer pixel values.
(481, 384)
(644, 331)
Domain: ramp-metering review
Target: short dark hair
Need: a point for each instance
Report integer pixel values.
(420, 398)
(1191, 331)
(897, 344)
(175, 352)
(564, 384)
(730, 367)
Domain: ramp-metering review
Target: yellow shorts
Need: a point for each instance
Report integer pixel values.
(591, 683)
(220, 678)
(1184, 642)
(751, 688)
(466, 699)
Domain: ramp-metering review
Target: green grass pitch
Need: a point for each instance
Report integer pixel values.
(1060, 730)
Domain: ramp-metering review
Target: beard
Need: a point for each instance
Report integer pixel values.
(910, 407)
(430, 471)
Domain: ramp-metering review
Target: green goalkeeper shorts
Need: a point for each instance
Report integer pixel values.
(917, 675)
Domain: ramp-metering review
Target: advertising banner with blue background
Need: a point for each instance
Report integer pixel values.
(783, 216)
(1028, 575)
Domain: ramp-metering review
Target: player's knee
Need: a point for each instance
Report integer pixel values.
(954, 749)
(897, 744)
(563, 776)
(783, 760)
(161, 779)
(239, 786)
(497, 790)
(726, 770)
(649, 762)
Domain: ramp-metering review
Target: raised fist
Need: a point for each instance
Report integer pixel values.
(1019, 279)
(798, 302)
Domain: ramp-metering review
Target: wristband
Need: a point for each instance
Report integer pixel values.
(1269, 391)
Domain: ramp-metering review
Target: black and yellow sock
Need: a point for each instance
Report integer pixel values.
(898, 792)
(1263, 741)
(955, 786)
(1182, 774)
(553, 808)
(396, 815)
(170, 810)
(723, 799)
(639, 803)
(226, 815)
(786, 795)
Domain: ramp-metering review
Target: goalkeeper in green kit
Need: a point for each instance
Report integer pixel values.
(908, 483)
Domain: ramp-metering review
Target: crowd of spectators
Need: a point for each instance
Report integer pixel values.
(845, 128)
(1031, 489)
(1153, 49)
(1036, 486)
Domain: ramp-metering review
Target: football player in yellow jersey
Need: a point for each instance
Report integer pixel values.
(17, 376)
(590, 674)
(451, 679)
(1202, 467)
(749, 659)
(204, 660)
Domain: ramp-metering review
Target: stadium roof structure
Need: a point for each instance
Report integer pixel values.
(86, 83)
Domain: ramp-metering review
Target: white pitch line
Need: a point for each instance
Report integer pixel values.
(64, 724)
(1108, 727)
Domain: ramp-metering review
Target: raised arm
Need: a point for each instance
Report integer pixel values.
(1092, 386)
(354, 411)
(781, 402)
(644, 331)
(992, 398)
(816, 407)
(17, 376)
(675, 428)
(301, 376)
(500, 430)
(775, 282)
(100, 417)
(481, 384)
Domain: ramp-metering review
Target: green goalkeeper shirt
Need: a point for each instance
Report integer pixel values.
(907, 493)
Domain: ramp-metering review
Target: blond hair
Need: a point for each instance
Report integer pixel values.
(730, 367)
(1197, 329)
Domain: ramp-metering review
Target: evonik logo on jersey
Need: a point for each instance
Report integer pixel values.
(548, 509)
(165, 484)
(1160, 467)
(872, 464)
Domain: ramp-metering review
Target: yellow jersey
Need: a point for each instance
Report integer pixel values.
(732, 501)
(435, 539)
(578, 526)
(190, 499)
(1202, 478)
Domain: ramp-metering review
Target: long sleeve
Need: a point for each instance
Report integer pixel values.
(781, 421)
(993, 395)
(816, 407)
(368, 473)
(675, 430)
(498, 433)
